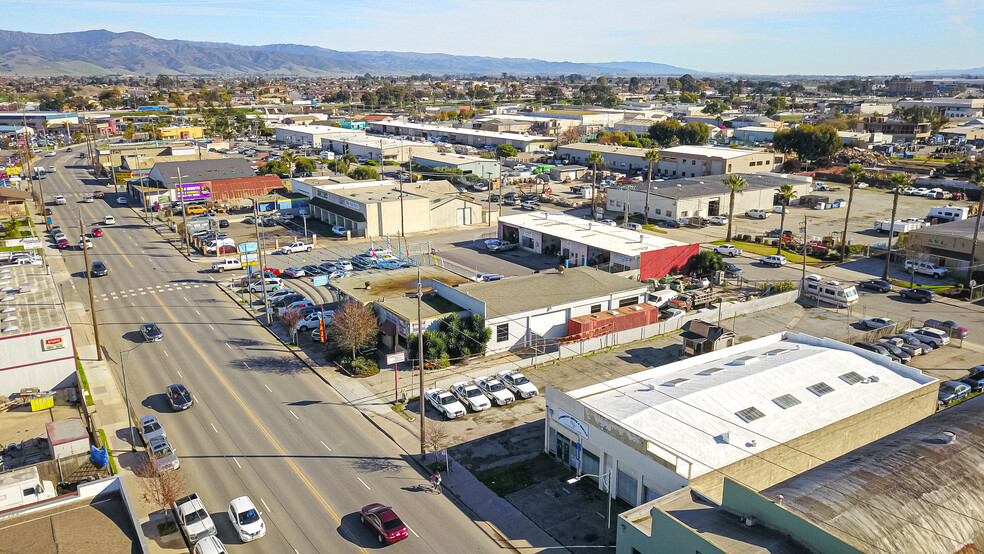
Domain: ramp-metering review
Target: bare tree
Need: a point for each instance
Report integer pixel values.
(439, 437)
(161, 489)
(354, 327)
(290, 318)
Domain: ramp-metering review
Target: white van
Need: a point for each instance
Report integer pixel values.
(756, 213)
(660, 298)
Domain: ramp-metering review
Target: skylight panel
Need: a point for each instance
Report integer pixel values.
(675, 382)
(820, 389)
(749, 415)
(786, 401)
(852, 378)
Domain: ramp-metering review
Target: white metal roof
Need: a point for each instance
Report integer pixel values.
(462, 131)
(689, 408)
(591, 233)
(707, 151)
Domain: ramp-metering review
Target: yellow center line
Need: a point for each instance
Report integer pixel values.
(276, 445)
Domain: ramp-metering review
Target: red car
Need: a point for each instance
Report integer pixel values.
(276, 272)
(384, 521)
(97, 232)
(63, 244)
(227, 249)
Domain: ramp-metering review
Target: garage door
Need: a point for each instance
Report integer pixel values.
(625, 487)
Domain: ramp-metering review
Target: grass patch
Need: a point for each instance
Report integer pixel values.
(112, 459)
(766, 250)
(85, 381)
(11, 248)
(653, 228)
(401, 408)
(166, 528)
(509, 479)
(935, 288)
(964, 399)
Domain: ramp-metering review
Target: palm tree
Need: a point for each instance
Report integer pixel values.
(651, 156)
(595, 160)
(289, 158)
(978, 179)
(900, 183)
(855, 172)
(786, 193)
(736, 184)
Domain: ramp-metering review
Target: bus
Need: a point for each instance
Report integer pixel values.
(831, 292)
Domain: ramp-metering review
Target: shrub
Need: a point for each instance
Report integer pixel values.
(362, 367)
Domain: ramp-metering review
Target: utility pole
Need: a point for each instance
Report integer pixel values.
(625, 218)
(804, 250)
(420, 349)
(92, 298)
(184, 213)
(261, 257)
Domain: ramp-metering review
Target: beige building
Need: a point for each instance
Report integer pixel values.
(374, 209)
(677, 161)
(186, 132)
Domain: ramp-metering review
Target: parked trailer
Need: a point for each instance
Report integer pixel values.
(901, 225)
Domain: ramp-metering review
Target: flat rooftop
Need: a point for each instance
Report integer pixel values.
(462, 131)
(451, 159)
(707, 151)
(545, 289)
(100, 524)
(594, 234)
(712, 185)
(395, 283)
(34, 298)
(721, 407)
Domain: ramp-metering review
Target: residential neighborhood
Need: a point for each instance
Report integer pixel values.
(276, 305)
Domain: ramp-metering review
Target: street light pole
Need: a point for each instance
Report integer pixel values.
(92, 298)
(184, 214)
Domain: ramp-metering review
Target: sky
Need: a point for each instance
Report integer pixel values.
(769, 37)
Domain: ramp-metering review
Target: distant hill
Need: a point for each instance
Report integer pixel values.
(101, 52)
(939, 73)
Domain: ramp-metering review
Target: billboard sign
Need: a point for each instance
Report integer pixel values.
(320, 280)
(248, 246)
(194, 191)
(247, 258)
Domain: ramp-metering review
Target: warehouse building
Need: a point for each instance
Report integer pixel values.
(582, 242)
(342, 141)
(374, 209)
(482, 167)
(948, 245)
(460, 135)
(677, 161)
(703, 196)
(49, 123)
(914, 490)
(224, 181)
(757, 413)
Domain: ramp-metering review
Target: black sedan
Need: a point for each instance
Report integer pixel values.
(99, 269)
(876, 285)
(313, 270)
(920, 295)
(179, 397)
(151, 333)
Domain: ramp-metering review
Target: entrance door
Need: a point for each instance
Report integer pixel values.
(563, 449)
(714, 207)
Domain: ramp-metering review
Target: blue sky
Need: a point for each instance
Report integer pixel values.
(747, 36)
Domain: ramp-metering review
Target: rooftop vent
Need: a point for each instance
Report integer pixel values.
(8, 309)
(636, 308)
(777, 351)
(711, 371)
(675, 382)
(745, 360)
(6, 299)
(9, 329)
(946, 437)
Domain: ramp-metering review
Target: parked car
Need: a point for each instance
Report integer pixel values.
(877, 349)
(471, 395)
(779, 210)
(193, 518)
(911, 350)
(717, 220)
(730, 269)
(935, 334)
(920, 295)
(494, 390)
(876, 322)
(339, 230)
(384, 521)
(727, 250)
(150, 428)
(163, 454)
(774, 260)
(179, 397)
(151, 333)
(756, 214)
(246, 519)
(518, 384)
(445, 402)
(896, 351)
(311, 320)
(876, 285)
(62, 243)
(667, 314)
(121, 200)
(293, 272)
(949, 327)
(296, 305)
(925, 268)
(913, 341)
(267, 285)
(975, 379)
(952, 391)
(343, 264)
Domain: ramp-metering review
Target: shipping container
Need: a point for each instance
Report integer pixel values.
(613, 321)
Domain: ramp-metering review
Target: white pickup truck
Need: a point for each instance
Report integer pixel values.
(727, 250)
(925, 268)
(296, 246)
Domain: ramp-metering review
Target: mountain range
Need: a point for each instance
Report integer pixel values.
(101, 52)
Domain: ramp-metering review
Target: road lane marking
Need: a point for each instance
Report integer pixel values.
(246, 366)
(213, 427)
(276, 445)
(165, 353)
(293, 414)
(412, 531)
(212, 328)
(227, 346)
(264, 504)
(267, 388)
(363, 483)
(237, 463)
(179, 375)
(325, 445)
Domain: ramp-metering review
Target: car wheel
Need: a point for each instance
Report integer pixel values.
(362, 518)
(303, 329)
(924, 300)
(381, 538)
(936, 276)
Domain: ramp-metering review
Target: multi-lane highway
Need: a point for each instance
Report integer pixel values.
(262, 424)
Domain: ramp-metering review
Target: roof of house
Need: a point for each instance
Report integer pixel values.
(696, 329)
(547, 289)
(709, 185)
(708, 151)
(10, 193)
(594, 234)
(721, 407)
(915, 490)
(193, 171)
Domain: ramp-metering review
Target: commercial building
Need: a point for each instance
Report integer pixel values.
(459, 135)
(310, 135)
(678, 161)
(758, 413)
(341, 141)
(703, 196)
(180, 132)
(899, 129)
(35, 336)
(482, 167)
(549, 300)
(225, 181)
(948, 245)
(755, 134)
(41, 122)
(955, 108)
(375, 209)
(914, 490)
(583, 242)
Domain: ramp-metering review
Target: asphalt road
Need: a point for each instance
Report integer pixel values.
(262, 424)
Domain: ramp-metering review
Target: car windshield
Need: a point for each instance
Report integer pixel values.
(947, 388)
(163, 451)
(393, 524)
(196, 516)
(496, 386)
(471, 393)
(151, 426)
(520, 380)
(448, 399)
(249, 516)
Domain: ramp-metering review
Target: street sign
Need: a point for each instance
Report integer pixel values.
(247, 258)
(251, 264)
(248, 247)
(320, 280)
(393, 359)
